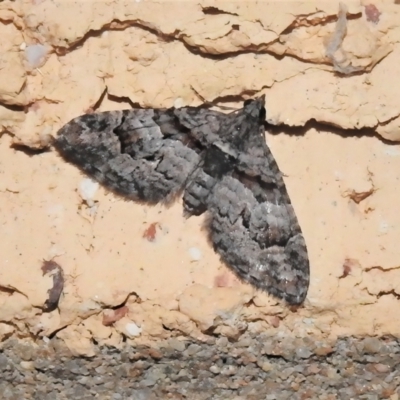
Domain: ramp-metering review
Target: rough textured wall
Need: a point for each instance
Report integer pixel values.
(330, 75)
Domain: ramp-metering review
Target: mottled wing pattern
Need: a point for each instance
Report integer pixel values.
(261, 237)
(224, 167)
(252, 223)
(143, 155)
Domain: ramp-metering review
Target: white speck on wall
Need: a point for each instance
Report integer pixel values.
(54, 251)
(338, 175)
(56, 213)
(36, 55)
(88, 305)
(195, 253)
(391, 151)
(178, 102)
(383, 227)
(132, 329)
(39, 326)
(274, 120)
(56, 210)
(87, 190)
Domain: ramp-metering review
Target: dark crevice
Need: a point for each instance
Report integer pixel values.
(302, 21)
(253, 49)
(5, 289)
(114, 25)
(378, 267)
(97, 104)
(54, 333)
(301, 130)
(167, 329)
(30, 151)
(389, 292)
(9, 334)
(262, 49)
(125, 301)
(239, 98)
(124, 99)
(216, 11)
(211, 331)
(10, 290)
(389, 120)
(14, 107)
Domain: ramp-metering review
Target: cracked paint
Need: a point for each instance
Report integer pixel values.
(342, 178)
(122, 47)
